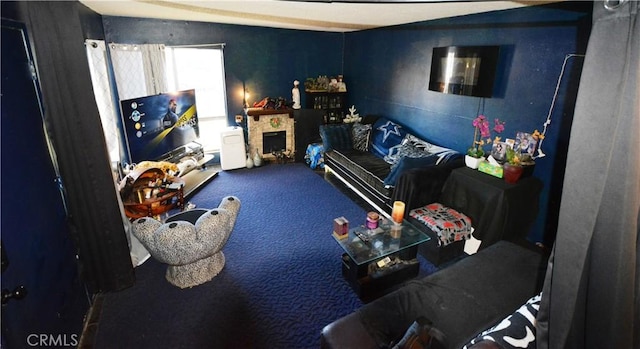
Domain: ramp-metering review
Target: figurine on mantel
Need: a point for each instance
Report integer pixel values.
(352, 117)
(295, 95)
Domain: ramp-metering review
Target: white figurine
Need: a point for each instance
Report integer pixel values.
(295, 95)
(353, 116)
(342, 86)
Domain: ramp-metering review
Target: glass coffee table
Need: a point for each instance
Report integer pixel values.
(377, 260)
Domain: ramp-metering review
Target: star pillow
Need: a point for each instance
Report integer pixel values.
(386, 138)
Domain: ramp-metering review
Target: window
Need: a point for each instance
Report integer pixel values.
(202, 69)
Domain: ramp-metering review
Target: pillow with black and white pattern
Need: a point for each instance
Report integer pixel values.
(518, 330)
(361, 135)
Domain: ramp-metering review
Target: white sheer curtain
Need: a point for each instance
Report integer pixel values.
(139, 69)
(97, 56)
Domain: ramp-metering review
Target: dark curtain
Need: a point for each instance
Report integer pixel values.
(73, 125)
(590, 297)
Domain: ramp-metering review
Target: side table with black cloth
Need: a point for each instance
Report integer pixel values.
(498, 210)
(422, 186)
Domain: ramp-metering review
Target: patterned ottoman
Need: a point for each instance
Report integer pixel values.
(449, 224)
(448, 229)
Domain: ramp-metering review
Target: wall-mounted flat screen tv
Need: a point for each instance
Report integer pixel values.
(464, 70)
(156, 125)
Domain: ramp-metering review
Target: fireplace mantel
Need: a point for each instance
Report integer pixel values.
(257, 112)
(266, 123)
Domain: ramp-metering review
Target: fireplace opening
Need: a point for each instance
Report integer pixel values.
(274, 141)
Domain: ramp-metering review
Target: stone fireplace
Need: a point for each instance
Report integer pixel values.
(271, 130)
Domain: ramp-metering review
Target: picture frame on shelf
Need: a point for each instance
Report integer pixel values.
(525, 143)
(498, 150)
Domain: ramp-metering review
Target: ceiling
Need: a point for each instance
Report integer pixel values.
(335, 16)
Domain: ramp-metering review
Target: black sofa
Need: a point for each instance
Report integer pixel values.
(357, 159)
(461, 300)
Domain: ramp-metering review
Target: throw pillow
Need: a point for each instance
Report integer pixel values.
(386, 137)
(336, 136)
(518, 330)
(407, 163)
(422, 335)
(361, 134)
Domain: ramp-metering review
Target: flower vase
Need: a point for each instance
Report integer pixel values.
(472, 162)
(512, 173)
(249, 161)
(257, 159)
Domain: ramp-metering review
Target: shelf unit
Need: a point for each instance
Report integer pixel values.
(334, 104)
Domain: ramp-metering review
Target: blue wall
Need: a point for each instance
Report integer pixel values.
(267, 60)
(387, 71)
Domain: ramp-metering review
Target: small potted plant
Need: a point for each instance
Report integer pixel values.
(481, 136)
(513, 167)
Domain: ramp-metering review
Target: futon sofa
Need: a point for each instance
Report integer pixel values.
(371, 155)
(461, 301)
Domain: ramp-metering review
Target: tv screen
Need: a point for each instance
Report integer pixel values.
(464, 70)
(156, 125)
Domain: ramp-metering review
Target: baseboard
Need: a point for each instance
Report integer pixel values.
(90, 327)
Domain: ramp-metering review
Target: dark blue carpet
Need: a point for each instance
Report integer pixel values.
(282, 282)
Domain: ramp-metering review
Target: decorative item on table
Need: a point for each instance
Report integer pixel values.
(340, 227)
(519, 158)
(372, 220)
(481, 136)
(498, 150)
(512, 168)
(491, 167)
(397, 214)
(526, 143)
(353, 116)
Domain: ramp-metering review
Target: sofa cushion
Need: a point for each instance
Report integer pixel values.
(336, 136)
(515, 331)
(364, 166)
(361, 135)
(386, 137)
